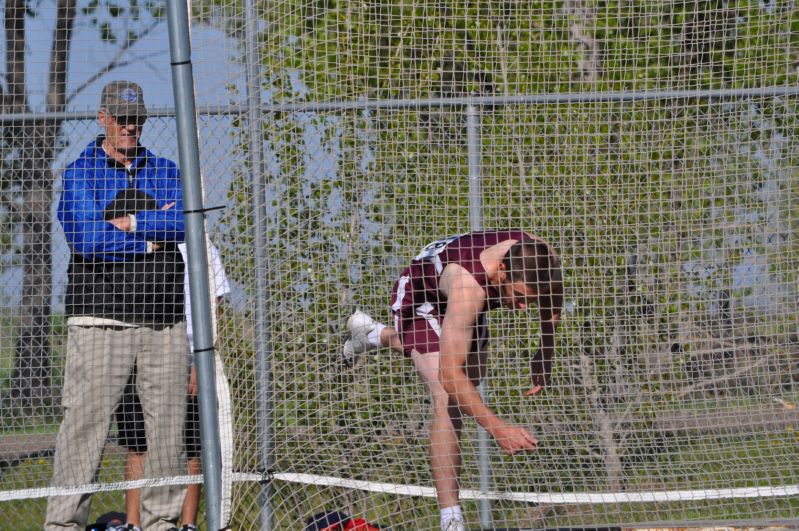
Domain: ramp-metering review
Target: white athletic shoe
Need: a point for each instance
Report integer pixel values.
(456, 524)
(359, 325)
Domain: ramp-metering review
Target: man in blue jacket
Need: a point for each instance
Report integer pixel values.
(122, 213)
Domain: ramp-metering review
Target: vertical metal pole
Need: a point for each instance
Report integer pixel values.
(188, 149)
(476, 223)
(263, 361)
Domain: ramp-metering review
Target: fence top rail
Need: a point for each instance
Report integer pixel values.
(428, 103)
(566, 97)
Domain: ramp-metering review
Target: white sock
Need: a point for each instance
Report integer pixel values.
(373, 337)
(450, 513)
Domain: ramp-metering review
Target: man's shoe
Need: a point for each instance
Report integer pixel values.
(456, 524)
(359, 325)
(188, 527)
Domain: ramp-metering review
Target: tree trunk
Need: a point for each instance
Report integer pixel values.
(603, 425)
(31, 386)
(31, 379)
(581, 23)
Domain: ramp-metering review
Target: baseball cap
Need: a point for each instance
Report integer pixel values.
(123, 98)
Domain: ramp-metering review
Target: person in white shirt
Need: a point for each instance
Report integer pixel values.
(130, 418)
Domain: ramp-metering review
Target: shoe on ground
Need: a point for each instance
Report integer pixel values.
(456, 524)
(123, 527)
(359, 325)
(188, 527)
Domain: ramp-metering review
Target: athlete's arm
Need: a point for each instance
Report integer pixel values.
(465, 300)
(550, 306)
(541, 364)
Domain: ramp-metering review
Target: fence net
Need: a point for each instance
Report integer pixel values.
(653, 144)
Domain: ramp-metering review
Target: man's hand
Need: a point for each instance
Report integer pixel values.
(122, 223)
(513, 439)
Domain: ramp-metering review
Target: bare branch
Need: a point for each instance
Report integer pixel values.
(15, 99)
(581, 16)
(723, 378)
(117, 61)
(59, 55)
(506, 89)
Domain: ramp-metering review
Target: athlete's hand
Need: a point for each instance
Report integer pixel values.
(534, 390)
(514, 439)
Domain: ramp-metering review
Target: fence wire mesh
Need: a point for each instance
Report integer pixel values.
(653, 144)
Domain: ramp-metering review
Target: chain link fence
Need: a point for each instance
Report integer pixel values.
(654, 145)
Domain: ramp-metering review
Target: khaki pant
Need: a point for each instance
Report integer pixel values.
(99, 361)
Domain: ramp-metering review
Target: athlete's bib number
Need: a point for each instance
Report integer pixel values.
(432, 249)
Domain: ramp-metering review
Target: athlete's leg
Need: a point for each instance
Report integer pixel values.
(366, 335)
(445, 452)
(391, 339)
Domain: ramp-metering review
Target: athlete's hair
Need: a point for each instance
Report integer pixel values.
(536, 264)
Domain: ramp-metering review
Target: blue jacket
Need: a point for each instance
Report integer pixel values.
(111, 274)
(93, 181)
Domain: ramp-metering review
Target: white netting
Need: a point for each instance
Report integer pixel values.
(652, 143)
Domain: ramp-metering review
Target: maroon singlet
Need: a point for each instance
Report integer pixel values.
(417, 304)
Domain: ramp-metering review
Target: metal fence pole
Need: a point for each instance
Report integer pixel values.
(476, 223)
(263, 361)
(188, 150)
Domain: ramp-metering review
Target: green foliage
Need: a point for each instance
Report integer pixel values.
(349, 49)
